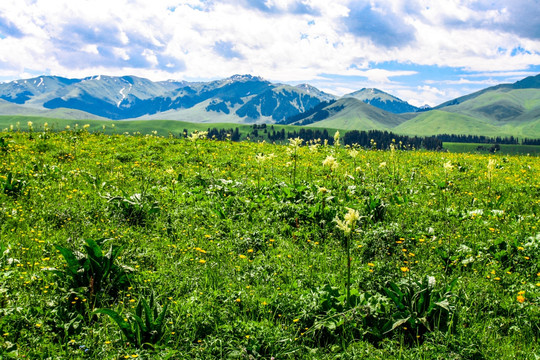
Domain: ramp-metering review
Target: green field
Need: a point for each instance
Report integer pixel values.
(484, 148)
(152, 247)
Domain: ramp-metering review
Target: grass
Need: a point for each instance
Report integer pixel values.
(484, 148)
(233, 250)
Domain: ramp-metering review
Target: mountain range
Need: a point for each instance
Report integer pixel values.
(506, 109)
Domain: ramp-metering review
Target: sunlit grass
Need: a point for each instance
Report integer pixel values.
(240, 242)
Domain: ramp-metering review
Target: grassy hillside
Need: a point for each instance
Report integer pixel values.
(354, 114)
(442, 122)
(502, 105)
(147, 247)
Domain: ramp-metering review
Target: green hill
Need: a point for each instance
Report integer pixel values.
(350, 113)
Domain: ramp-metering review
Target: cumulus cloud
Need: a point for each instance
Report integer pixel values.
(281, 40)
(381, 24)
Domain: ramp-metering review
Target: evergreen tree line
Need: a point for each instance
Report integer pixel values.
(478, 139)
(372, 138)
(530, 141)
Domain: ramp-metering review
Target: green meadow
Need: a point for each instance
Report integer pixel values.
(118, 245)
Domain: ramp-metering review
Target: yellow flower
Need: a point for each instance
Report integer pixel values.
(296, 320)
(404, 269)
(202, 261)
(242, 256)
(371, 264)
(520, 298)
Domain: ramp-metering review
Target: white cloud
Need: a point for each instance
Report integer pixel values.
(282, 40)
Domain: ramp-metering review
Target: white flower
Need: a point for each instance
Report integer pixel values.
(343, 225)
(353, 153)
(352, 216)
(330, 162)
(383, 164)
(491, 165)
(296, 142)
(196, 135)
(260, 158)
(448, 166)
(336, 138)
(322, 190)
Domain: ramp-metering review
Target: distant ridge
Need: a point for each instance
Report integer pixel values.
(502, 110)
(382, 100)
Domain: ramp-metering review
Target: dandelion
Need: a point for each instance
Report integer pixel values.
(404, 269)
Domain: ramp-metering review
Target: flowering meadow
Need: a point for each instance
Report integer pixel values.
(122, 247)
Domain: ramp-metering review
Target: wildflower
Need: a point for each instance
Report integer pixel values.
(330, 162)
(352, 216)
(404, 269)
(343, 226)
(336, 138)
(520, 298)
(202, 261)
(296, 320)
(448, 166)
(490, 167)
(322, 190)
(382, 165)
(353, 153)
(296, 142)
(260, 158)
(196, 135)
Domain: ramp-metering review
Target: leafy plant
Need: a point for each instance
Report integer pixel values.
(135, 209)
(4, 145)
(94, 273)
(420, 308)
(143, 328)
(12, 187)
(375, 209)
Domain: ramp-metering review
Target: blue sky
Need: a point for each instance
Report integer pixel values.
(423, 51)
